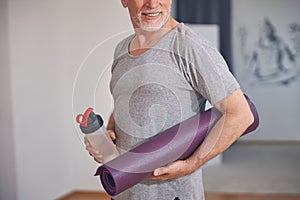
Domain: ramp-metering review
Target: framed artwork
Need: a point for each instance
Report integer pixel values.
(266, 60)
(266, 41)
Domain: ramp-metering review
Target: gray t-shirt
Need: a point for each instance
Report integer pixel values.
(160, 88)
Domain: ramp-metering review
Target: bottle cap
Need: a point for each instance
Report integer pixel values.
(89, 121)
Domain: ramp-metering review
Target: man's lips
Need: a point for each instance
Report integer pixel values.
(151, 14)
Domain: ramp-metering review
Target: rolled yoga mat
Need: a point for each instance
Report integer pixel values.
(177, 142)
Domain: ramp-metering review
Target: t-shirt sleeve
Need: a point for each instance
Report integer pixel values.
(207, 71)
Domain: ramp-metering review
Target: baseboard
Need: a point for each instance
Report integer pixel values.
(85, 195)
(98, 195)
(268, 142)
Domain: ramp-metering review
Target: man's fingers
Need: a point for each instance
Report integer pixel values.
(92, 151)
(111, 134)
(161, 171)
(86, 142)
(98, 160)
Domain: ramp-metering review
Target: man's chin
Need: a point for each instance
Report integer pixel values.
(150, 28)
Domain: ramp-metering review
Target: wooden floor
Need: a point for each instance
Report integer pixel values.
(84, 195)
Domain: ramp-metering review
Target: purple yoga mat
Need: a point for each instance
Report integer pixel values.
(178, 142)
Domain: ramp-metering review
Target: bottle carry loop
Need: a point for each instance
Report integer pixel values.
(82, 119)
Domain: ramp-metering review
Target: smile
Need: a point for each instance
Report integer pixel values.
(152, 14)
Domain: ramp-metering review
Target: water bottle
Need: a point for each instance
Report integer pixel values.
(93, 127)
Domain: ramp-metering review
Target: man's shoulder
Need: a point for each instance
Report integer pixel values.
(122, 46)
(187, 40)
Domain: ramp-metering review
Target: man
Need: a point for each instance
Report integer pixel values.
(162, 75)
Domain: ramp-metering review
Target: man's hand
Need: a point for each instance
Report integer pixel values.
(173, 170)
(92, 151)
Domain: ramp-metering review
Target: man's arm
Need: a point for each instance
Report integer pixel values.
(236, 118)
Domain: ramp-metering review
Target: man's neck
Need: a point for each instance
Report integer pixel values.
(144, 40)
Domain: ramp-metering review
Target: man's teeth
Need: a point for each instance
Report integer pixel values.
(152, 14)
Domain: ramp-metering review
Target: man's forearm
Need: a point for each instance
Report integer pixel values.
(237, 117)
(224, 133)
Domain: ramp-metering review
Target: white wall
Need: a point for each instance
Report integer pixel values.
(8, 186)
(43, 46)
(48, 40)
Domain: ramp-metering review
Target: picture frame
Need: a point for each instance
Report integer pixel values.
(266, 41)
(266, 62)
